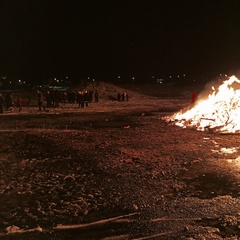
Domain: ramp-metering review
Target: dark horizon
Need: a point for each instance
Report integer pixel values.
(107, 39)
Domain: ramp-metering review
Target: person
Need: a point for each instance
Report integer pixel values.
(53, 99)
(86, 98)
(81, 100)
(56, 98)
(194, 94)
(29, 98)
(19, 104)
(96, 96)
(9, 101)
(90, 93)
(40, 101)
(64, 97)
(119, 96)
(48, 99)
(1, 103)
(123, 97)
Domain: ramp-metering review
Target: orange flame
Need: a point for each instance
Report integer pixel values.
(219, 112)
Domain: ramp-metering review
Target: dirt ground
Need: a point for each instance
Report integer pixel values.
(116, 170)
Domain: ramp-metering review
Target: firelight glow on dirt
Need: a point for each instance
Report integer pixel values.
(219, 112)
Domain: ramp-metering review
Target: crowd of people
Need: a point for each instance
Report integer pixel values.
(122, 97)
(53, 99)
(49, 99)
(8, 102)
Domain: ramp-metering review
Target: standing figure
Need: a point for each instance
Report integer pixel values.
(90, 96)
(9, 101)
(64, 97)
(123, 97)
(29, 98)
(96, 96)
(86, 98)
(1, 103)
(19, 104)
(40, 101)
(119, 96)
(81, 99)
(48, 99)
(194, 94)
(56, 98)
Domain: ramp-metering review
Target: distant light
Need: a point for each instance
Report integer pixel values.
(119, 77)
(133, 78)
(93, 80)
(184, 74)
(55, 79)
(88, 78)
(66, 77)
(178, 76)
(170, 76)
(10, 82)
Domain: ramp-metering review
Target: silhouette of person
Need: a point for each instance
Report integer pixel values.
(194, 94)
(119, 96)
(19, 104)
(9, 101)
(1, 103)
(40, 101)
(96, 96)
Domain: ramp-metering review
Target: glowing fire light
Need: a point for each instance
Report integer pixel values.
(219, 112)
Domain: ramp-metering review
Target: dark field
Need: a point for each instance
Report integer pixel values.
(116, 170)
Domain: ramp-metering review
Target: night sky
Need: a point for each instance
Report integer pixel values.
(104, 39)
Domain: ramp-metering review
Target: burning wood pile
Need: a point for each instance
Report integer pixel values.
(220, 112)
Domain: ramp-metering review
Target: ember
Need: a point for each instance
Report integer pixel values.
(220, 112)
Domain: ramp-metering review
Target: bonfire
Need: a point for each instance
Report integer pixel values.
(219, 112)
